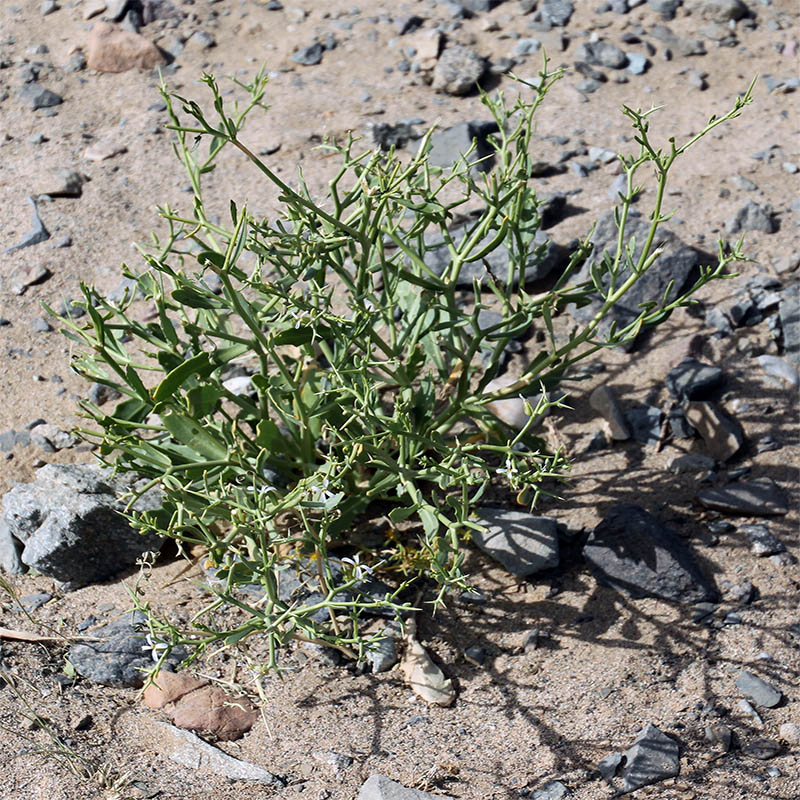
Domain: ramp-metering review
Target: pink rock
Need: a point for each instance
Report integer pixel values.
(110, 49)
(195, 705)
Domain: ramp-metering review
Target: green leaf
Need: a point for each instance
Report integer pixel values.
(192, 434)
(208, 258)
(296, 336)
(199, 366)
(195, 299)
(402, 513)
(135, 382)
(131, 410)
(430, 522)
(223, 355)
(269, 437)
(203, 400)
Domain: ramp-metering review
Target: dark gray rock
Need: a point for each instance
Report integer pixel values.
(458, 70)
(609, 765)
(762, 749)
(479, 6)
(387, 135)
(762, 541)
(449, 146)
(719, 11)
(790, 323)
(35, 96)
(71, 526)
(674, 267)
(645, 424)
(652, 758)
(379, 787)
(758, 690)
(667, 8)
(552, 790)
(308, 56)
(555, 13)
(122, 654)
(635, 553)
(761, 498)
(752, 217)
(385, 655)
(10, 549)
(544, 257)
(679, 425)
(602, 54)
(522, 543)
(693, 380)
(676, 44)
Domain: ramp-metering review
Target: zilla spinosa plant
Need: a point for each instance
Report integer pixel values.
(304, 374)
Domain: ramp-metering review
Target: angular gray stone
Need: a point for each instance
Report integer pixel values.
(602, 54)
(653, 757)
(458, 70)
(379, 787)
(637, 63)
(450, 145)
(189, 750)
(762, 541)
(556, 12)
(673, 266)
(760, 498)
(10, 548)
(691, 463)
(718, 10)
(544, 257)
(121, 654)
(552, 790)
(38, 235)
(790, 323)
(608, 765)
(522, 543)
(70, 523)
(778, 368)
(635, 553)
(645, 424)
(752, 217)
(308, 56)
(666, 8)
(693, 380)
(757, 690)
(36, 96)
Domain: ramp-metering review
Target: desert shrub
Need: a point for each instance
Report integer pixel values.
(314, 394)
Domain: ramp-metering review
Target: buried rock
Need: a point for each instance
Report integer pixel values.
(379, 787)
(761, 497)
(189, 750)
(635, 553)
(522, 543)
(122, 654)
(70, 525)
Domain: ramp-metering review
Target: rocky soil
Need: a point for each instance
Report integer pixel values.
(652, 644)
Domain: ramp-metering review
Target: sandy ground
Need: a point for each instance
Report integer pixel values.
(607, 665)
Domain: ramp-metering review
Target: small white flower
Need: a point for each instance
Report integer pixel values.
(509, 470)
(359, 570)
(155, 647)
(322, 495)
